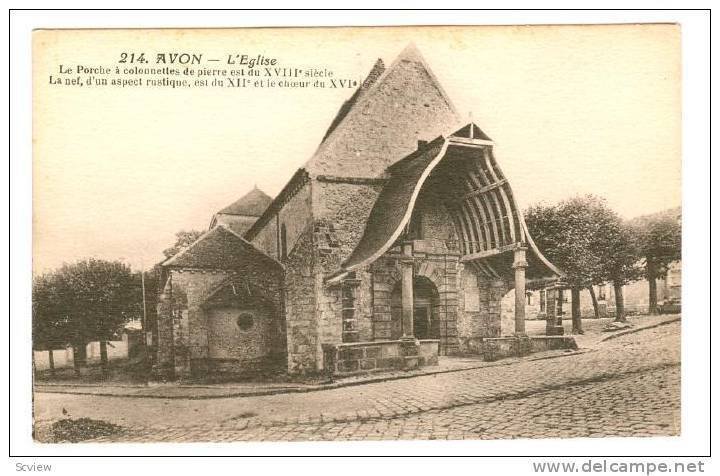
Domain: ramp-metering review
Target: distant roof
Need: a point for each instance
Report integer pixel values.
(251, 204)
(237, 223)
(220, 248)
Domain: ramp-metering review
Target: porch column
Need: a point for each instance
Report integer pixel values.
(519, 265)
(407, 291)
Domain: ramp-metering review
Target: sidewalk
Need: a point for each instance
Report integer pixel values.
(226, 390)
(587, 343)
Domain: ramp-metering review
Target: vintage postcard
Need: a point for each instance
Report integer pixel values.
(378, 233)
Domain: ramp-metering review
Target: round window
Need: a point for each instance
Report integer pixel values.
(245, 321)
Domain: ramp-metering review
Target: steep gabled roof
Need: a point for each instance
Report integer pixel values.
(251, 204)
(371, 78)
(384, 119)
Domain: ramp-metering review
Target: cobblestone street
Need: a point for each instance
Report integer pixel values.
(626, 386)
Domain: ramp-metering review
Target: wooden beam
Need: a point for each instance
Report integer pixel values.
(466, 141)
(475, 232)
(488, 253)
(482, 190)
(489, 268)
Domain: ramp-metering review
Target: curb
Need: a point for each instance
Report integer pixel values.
(331, 386)
(638, 329)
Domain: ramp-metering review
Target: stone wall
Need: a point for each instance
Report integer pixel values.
(364, 357)
(436, 222)
(301, 282)
(385, 275)
(330, 310)
(502, 347)
(321, 230)
(340, 210)
(364, 306)
(329, 315)
(182, 334)
(302, 276)
(267, 237)
(227, 339)
(480, 309)
(295, 214)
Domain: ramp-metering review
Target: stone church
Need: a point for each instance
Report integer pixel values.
(392, 245)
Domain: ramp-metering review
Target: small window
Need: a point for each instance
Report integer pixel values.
(245, 321)
(283, 241)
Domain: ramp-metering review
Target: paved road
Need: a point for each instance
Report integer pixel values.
(629, 386)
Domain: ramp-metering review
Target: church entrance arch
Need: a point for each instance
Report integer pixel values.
(426, 322)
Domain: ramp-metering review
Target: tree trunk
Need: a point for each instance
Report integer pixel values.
(652, 281)
(619, 303)
(594, 301)
(652, 301)
(51, 361)
(575, 308)
(79, 357)
(103, 357)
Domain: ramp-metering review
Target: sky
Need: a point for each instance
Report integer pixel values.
(118, 171)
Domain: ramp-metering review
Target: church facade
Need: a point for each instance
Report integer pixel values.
(393, 244)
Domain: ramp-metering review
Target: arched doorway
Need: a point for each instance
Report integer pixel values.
(426, 322)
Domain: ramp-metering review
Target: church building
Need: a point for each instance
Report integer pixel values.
(394, 244)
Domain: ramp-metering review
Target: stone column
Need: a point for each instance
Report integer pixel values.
(407, 291)
(519, 265)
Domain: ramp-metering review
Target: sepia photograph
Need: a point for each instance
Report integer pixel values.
(265, 234)
(413, 233)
